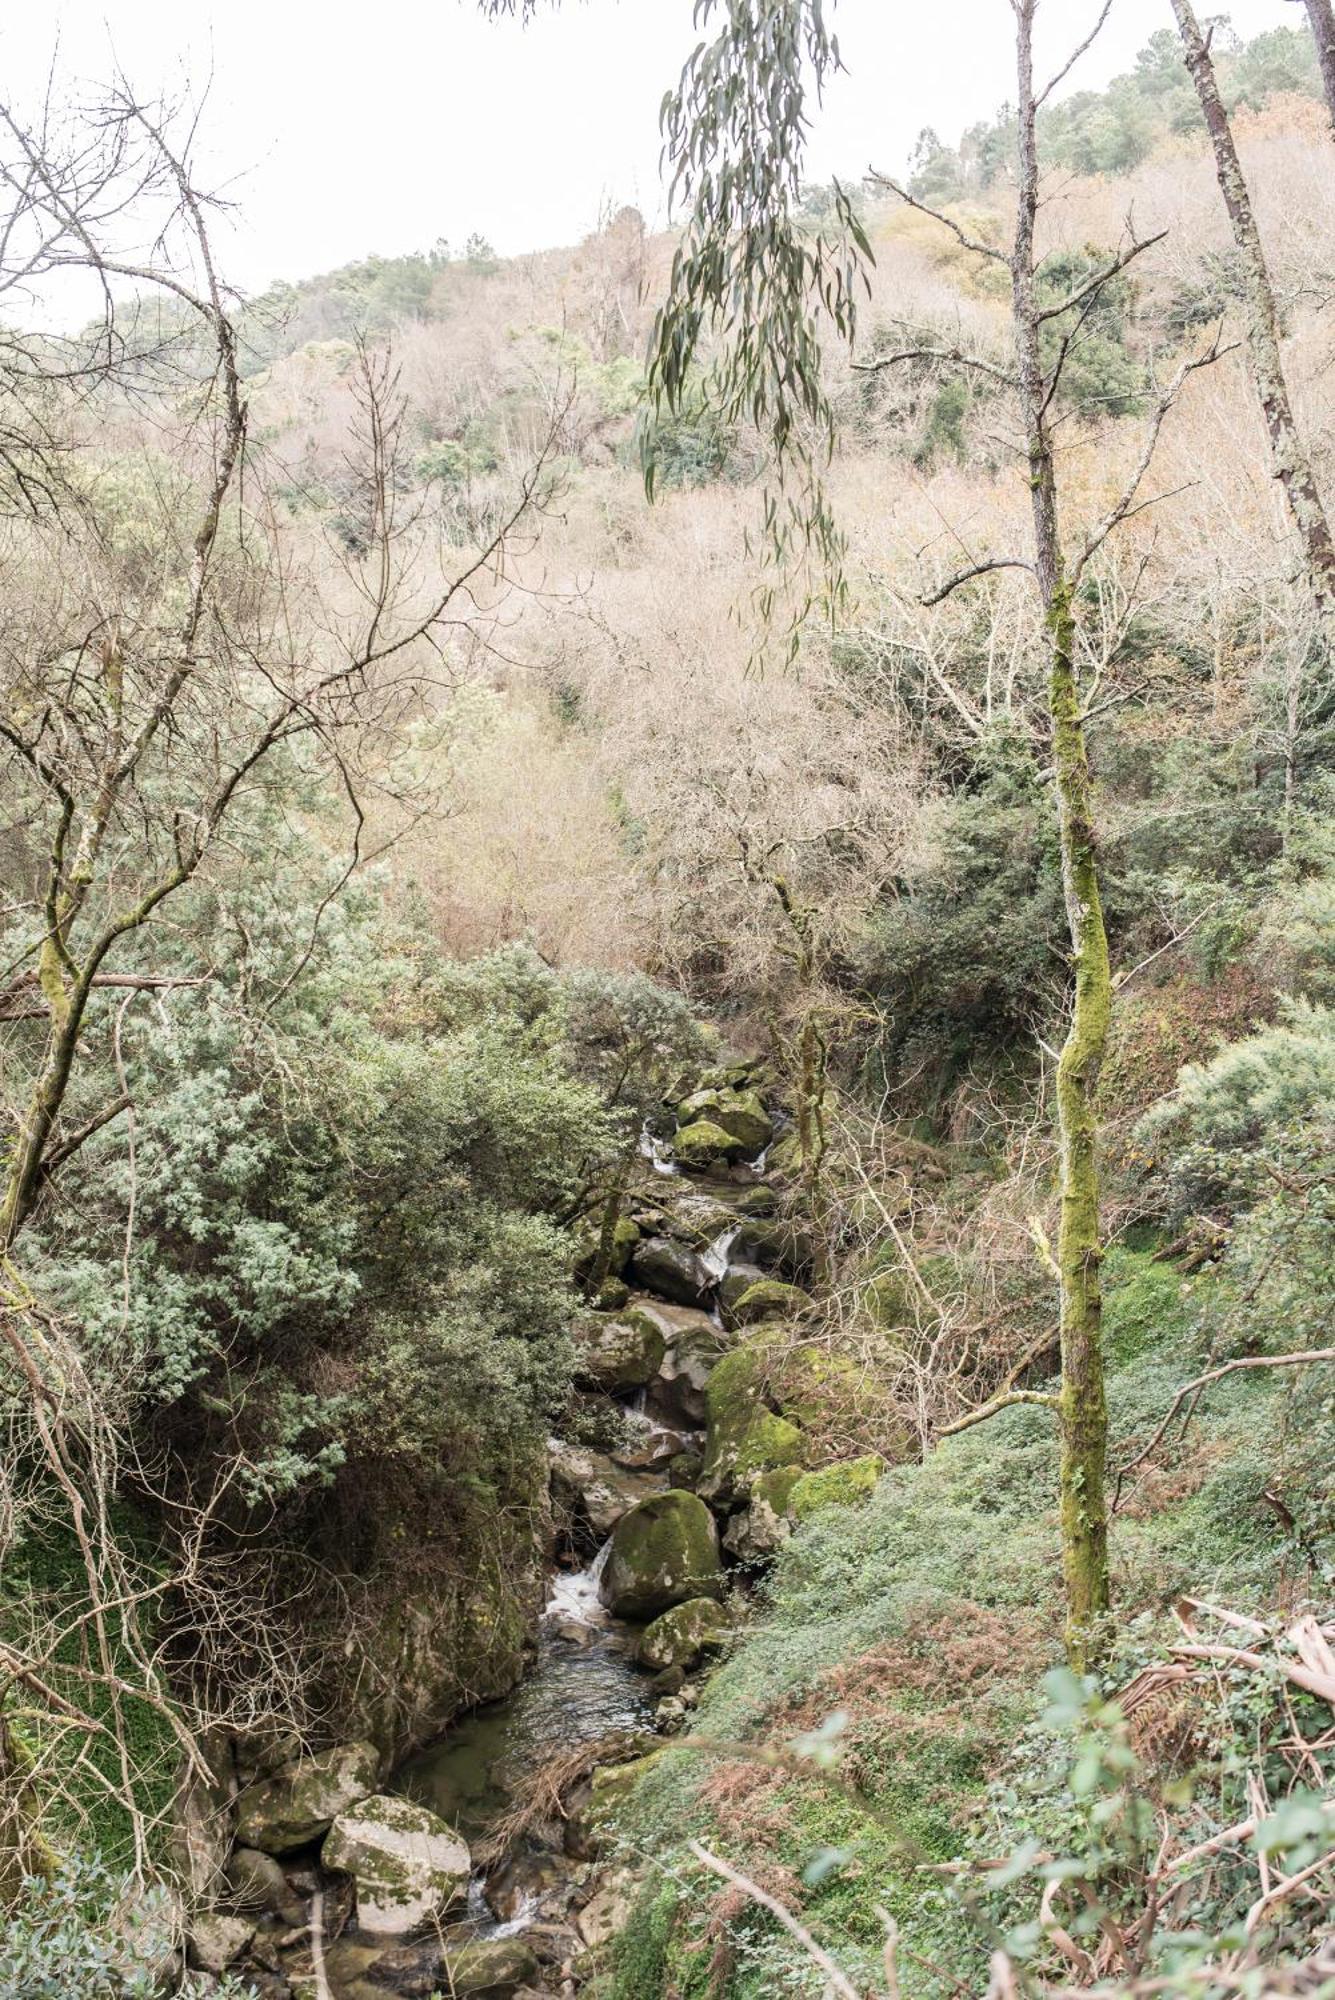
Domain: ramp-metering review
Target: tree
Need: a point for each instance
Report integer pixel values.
(166, 664)
(1288, 453)
(1321, 14)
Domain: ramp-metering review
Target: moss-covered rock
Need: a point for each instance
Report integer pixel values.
(735, 1283)
(703, 1144)
(683, 1635)
(769, 1298)
(664, 1551)
(743, 1436)
(616, 1354)
(301, 1802)
(407, 1865)
(758, 1200)
(761, 1529)
(738, 1112)
(588, 1239)
(841, 1485)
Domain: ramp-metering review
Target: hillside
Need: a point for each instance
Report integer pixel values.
(539, 1317)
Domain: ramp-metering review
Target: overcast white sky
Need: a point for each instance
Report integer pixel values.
(345, 129)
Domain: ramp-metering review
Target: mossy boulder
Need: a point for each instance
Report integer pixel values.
(408, 1866)
(844, 1484)
(759, 1200)
(761, 1529)
(735, 1283)
(301, 1802)
(768, 1298)
(664, 1551)
(701, 1145)
(774, 1244)
(743, 1436)
(683, 1635)
(616, 1354)
(495, 1968)
(672, 1270)
(738, 1112)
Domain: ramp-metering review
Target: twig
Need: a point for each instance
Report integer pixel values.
(1307, 1357)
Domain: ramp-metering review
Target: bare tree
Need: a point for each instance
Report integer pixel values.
(1321, 14)
(163, 659)
(1288, 453)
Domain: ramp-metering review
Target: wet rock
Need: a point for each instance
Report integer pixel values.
(301, 1802)
(670, 1716)
(703, 1145)
(738, 1112)
(408, 1866)
(258, 1883)
(672, 1270)
(696, 1217)
(215, 1942)
(684, 1470)
(773, 1243)
(664, 1551)
(590, 1485)
(615, 1355)
(682, 1636)
(524, 1882)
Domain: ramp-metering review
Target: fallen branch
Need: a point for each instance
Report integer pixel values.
(1307, 1357)
(1008, 1398)
(819, 1957)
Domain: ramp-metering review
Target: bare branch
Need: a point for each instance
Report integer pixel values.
(911, 201)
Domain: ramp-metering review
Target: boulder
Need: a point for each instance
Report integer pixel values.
(650, 1446)
(736, 1282)
(664, 1551)
(481, 1969)
(302, 1801)
(773, 1243)
(759, 1200)
(677, 1394)
(695, 1217)
(761, 1529)
(672, 1270)
(743, 1436)
(588, 1483)
(844, 1484)
(215, 1942)
(256, 1884)
(408, 1867)
(738, 1112)
(683, 1635)
(607, 1911)
(700, 1146)
(768, 1298)
(617, 1354)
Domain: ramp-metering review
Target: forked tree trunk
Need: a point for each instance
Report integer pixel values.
(1288, 456)
(1082, 1407)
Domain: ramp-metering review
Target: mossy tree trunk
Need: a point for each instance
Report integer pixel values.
(1081, 1407)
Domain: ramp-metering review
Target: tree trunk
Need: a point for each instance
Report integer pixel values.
(1321, 13)
(1082, 1407)
(1288, 457)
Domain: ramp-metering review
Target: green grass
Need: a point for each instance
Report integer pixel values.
(953, 1564)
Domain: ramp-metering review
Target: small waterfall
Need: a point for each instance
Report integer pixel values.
(658, 1153)
(575, 1593)
(715, 1258)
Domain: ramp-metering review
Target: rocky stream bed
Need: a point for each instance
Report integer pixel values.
(478, 1866)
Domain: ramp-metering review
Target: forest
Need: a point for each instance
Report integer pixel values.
(667, 1060)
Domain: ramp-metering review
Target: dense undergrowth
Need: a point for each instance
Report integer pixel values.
(896, 1668)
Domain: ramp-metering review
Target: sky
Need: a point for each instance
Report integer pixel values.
(341, 129)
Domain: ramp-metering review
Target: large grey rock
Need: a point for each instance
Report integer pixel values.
(257, 1883)
(215, 1942)
(615, 1354)
(663, 1552)
(482, 1969)
(408, 1867)
(680, 1637)
(301, 1802)
(588, 1483)
(673, 1270)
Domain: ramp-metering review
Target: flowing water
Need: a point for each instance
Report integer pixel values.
(582, 1684)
